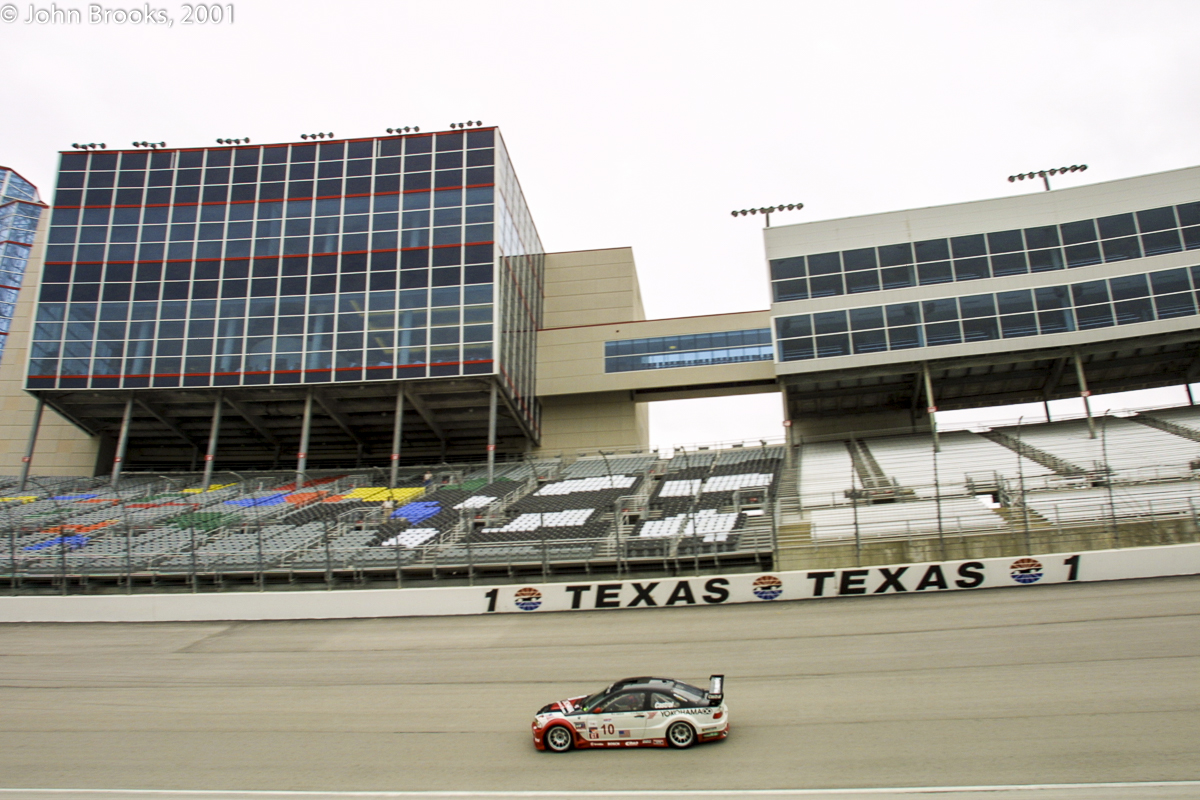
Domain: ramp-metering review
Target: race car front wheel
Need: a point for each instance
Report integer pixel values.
(558, 739)
(681, 735)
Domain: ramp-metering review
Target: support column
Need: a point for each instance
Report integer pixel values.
(305, 429)
(931, 406)
(122, 443)
(1046, 406)
(213, 433)
(1084, 393)
(491, 445)
(1188, 386)
(397, 432)
(33, 433)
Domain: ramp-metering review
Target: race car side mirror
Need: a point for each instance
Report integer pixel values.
(596, 710)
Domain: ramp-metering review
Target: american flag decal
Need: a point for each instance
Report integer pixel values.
(623, 734)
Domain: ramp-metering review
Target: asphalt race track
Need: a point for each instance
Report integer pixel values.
(1048, 685)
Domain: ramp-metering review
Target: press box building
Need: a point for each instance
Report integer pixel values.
(377, 300)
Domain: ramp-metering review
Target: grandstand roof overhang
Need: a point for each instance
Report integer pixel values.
(260, 427)
(975, 381)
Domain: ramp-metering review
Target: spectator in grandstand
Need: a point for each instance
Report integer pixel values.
(428, 480)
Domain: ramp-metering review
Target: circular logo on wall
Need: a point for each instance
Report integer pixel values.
(1026, 570)
(528, 599)
(768, 587)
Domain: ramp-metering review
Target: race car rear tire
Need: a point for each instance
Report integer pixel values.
(681, 735)
(558, 739)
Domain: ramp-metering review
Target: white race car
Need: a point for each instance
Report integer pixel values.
(635, 712)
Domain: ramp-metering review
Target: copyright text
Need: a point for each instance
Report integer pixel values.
(96, 14)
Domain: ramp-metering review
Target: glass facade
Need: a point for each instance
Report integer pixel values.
(693, 350)
(1125, 300)
(340, 261)
(1120, 237)
(20, 210)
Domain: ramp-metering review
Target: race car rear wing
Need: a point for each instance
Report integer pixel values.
(716, 689)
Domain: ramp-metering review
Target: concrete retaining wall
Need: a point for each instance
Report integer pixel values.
(1014, 573)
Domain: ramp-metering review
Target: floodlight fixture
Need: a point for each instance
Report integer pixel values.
(234, 141)
(1045, 174)
(89, 146)
(405, 129)
(152, 145)
(316, 135)
(466, 124)
(768, 211)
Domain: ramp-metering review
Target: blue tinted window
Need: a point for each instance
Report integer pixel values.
(693, 350)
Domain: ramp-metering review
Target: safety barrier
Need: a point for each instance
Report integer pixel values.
(679, 592)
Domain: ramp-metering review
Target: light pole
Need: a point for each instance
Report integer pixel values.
(1045, 174)
(854, 507)
(937, 498)
(768, 211)
(616, 507)
(1021, 478)
(1108, 480)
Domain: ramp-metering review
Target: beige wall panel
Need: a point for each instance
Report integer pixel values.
(588, 287)
(62, 449)
(601, 421)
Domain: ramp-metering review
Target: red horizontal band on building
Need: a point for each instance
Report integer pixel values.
(290, 255)
(276, 199)
(260, 372)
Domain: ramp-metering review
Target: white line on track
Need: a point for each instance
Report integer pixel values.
(1047, 790)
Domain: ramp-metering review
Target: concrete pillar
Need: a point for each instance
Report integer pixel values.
(1084, 393)
(122, 443)
(213, 433)
(33, 433)
(931, 405)
(305, 429)
(491, 443)
(397, 432)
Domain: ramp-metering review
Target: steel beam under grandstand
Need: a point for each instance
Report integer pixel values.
(397, 436)
(122, 443)
(33, 433)
(214, 433)
(444, 418)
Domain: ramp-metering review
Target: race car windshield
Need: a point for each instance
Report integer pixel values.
(594, 699)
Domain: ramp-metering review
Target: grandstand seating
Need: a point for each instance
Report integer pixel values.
(1132, 501)
(826, 473)
(915, 518)
(1131, 450)
(704, 531)
(964, 458)
(634, 506)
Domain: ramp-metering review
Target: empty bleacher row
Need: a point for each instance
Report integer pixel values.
(917, 518)
(531, 511)
(697, 507)
(566, 519)
(1057, 468)
(1126, 448)
(1134, 501)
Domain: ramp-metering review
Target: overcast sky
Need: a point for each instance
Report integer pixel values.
(645, 123)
